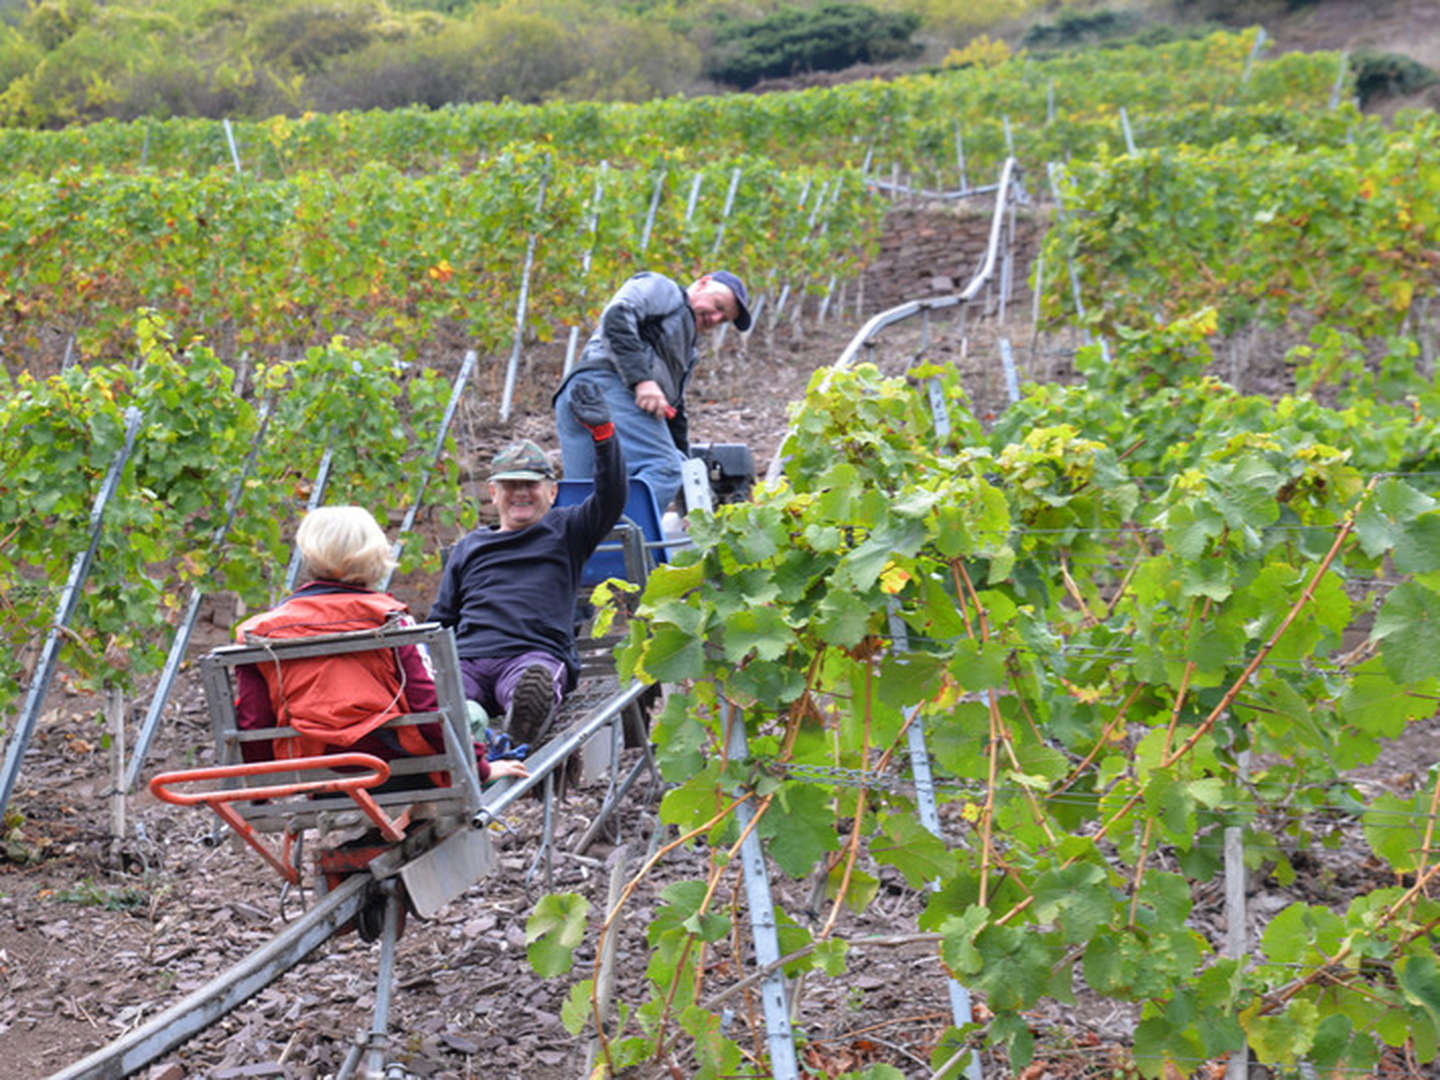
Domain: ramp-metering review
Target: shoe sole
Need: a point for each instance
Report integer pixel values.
(532, 707)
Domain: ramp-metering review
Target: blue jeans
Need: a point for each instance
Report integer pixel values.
(650, 452)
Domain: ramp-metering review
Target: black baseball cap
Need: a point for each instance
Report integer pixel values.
(742, 298)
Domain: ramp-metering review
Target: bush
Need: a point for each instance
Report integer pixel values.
(980, 52)
(628, 58)
(93, 72)
(18, 55)
(1379, 75)
(827, 38)
(1072, 28)
(431, 71)
(303, 38)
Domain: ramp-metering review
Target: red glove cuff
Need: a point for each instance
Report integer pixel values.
(603, 432)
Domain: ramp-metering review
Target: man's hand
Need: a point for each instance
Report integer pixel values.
(650, 398)
(588, 406)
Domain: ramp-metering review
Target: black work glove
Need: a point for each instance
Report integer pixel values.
(588, 406)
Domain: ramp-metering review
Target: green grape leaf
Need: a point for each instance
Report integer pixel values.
(906, 845)
(553, 930)
(1419, 977)
(577, 1010)
(671, 655)
(1408, 628)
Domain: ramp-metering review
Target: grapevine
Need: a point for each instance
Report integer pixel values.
(1093, 642)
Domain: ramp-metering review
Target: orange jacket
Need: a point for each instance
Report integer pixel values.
(333, 701)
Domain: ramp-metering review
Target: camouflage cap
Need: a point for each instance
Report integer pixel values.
(523, 460)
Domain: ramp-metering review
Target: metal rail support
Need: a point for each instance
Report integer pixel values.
(938, 409)
(1035, 307)
(234, 153)
(612, 802)
(552, 755)
(508, 395)
(654, 205)
(1012, 381)
(1339, 80)
(379, 1040)
(779, 1038)
(825, 301)
(960, 157)
(1125, 127)
(1254, 55)
(1238, 1067)
(725, 213)
(64, 611)
(456, 390)
(694, 196)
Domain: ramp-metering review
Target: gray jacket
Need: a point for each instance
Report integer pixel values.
(647, 331)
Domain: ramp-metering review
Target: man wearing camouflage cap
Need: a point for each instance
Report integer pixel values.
(509, 590)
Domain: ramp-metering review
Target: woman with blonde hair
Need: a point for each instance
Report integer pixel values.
(339, 703)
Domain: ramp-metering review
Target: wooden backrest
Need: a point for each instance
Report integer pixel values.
(460, 796)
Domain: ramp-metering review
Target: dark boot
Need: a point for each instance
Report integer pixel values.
(532, 709)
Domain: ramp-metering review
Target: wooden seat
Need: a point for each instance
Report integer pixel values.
(289, 796)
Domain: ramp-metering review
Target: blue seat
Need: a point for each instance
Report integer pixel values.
(641, 512)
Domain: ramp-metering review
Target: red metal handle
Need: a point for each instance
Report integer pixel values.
(392, 829)
(379, 773)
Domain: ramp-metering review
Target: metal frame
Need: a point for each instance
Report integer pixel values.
(462, 795)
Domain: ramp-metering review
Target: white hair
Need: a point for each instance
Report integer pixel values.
(344, 543)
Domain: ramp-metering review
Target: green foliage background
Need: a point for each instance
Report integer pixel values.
(70, 61)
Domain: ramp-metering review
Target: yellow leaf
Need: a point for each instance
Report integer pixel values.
(893, 579)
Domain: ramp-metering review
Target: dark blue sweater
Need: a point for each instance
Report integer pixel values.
(506, 593)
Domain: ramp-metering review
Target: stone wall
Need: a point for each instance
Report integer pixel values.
(935, 249)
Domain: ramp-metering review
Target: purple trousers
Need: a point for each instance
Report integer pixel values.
(491, 680)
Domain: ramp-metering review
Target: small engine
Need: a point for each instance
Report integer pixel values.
(731, 468)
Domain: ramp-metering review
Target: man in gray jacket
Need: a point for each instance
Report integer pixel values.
(640, 357)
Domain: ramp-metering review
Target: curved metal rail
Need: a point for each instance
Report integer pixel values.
(867, 334)
(193, 1014)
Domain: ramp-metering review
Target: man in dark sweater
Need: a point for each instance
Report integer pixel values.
(509, 591)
